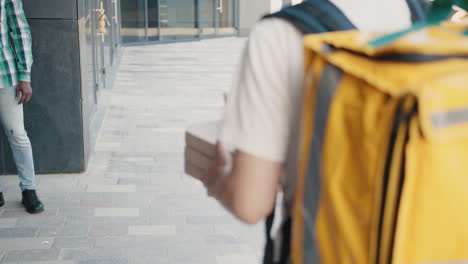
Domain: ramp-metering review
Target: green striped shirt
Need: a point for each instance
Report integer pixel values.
(16, 56)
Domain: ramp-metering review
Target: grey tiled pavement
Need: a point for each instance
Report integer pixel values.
(134, 205)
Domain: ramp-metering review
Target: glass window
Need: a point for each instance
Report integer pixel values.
(172, 20)
(227, 17)
(133, 20)
(178, 19)
(153, 20)
(207, 17)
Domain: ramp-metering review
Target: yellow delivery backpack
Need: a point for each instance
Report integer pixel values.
(383, 169)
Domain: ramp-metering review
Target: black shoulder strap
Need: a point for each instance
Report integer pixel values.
(315, 16)
(419, 9)
(318, 16)
(268, 257)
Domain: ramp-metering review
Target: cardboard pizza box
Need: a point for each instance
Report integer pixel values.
(202, 138)
(197, 158)
(193, 170)
(200, 148)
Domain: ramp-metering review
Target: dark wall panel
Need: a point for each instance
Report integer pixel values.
(51, 9)
(53, 118)
(56, 78)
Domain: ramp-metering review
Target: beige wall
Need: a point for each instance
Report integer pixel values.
(252, 10)
(250, 13)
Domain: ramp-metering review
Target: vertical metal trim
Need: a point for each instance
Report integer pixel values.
(198, 15)
(237, 16)
(216, 18)
(159, 20)
(111, 36)
(119, 31)
(146, 20)
(96, 69)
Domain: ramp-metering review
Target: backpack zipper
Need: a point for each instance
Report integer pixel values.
(402, 118)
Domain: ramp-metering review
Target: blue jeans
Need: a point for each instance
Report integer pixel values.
(11, 118)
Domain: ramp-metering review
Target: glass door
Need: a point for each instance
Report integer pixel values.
(153, 20)
(226, 10)
(107, 36)
(108, 25)
(114, 28)
(178, 20)
(98, 46)
(91, 81)
(104, 36)
(173, 20)
(134, 19)
(208, 17)
(217, 17)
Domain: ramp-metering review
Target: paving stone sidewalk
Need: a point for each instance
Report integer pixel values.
(134, 205)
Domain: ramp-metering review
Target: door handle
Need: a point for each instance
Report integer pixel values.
(220, 7)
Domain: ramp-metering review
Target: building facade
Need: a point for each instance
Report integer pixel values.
(177, 20)
(76, 47)
(75, 56)
(159, 21)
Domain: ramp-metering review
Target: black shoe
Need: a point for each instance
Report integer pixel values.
(2, 201)
(31, 202)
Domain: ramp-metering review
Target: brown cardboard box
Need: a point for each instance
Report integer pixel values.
(200, 147)
(193, 170)
(197, 158)
(202, 138)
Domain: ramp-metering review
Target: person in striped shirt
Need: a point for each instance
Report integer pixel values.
(16, 60)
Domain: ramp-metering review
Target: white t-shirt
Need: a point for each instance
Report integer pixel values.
(262, 113)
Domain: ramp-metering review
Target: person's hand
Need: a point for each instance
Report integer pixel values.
(221, 166)
(23, 92)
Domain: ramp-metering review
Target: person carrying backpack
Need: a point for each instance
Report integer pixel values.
(259, 139)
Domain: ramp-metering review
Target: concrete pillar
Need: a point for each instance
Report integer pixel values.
(59, 119)
(53, 118)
